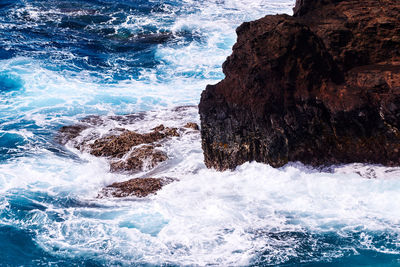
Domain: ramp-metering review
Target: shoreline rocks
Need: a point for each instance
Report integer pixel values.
(321, 87)
(139, 187)
(144, 157)
(130, 152)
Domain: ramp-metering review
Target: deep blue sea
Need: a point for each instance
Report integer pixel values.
(64, 60)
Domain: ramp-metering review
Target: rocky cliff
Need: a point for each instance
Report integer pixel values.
(321, 87)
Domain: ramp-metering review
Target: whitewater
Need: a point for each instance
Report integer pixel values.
(61, 61)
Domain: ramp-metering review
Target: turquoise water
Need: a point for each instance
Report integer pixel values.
(61, 61)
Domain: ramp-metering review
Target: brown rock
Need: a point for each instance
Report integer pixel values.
(67, 133)
(127, 151)
(140, 187)
(322, 88)
(117, 146)
(192, 125)
(159, 128)
(170, 132)
(140, 158)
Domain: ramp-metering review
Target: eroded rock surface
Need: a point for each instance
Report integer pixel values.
(322, 87)
(130, 152)
(192, 125)
(141, 158)
(140, 187)
(118, 145)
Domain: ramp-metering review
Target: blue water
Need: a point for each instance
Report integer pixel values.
(61, 61)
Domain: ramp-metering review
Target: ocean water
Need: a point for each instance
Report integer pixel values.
(61, 61)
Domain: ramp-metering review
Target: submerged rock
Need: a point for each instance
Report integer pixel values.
(140, 187)
(67, 133)
(145, 157)
(118, 145)
(192, 125)
(138, 152)
(322, 88)
(127, 151)
(127, 145)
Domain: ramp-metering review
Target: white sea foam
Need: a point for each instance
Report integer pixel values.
(215, 24)
(206, 217)
(47, 96)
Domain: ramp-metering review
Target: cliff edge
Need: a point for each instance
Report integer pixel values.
(321, 87)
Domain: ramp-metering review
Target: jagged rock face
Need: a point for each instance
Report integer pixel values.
(322, 88)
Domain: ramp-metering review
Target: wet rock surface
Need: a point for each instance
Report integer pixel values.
(321, 87)
(192, 125)
(140, 187)
(145, 157)
(129, 152)
(118, 145)
(66, 133)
